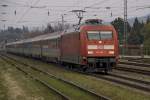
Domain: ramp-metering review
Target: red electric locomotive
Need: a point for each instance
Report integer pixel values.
(94, 47)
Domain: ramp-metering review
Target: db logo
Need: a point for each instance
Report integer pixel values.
(100, 47)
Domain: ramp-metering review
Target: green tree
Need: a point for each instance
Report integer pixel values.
(135, 37)
(137, 26)
(148, 20)
(49, 29)
(118, 23)
(146, 33)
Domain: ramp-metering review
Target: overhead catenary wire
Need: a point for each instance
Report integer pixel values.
(27, 11)
(55, 9)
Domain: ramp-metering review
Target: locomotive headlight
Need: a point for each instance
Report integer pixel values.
(108, 46)
(90, 52)
(111, 52)
(92, 47)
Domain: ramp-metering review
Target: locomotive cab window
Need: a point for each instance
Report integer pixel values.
(106, 35)
(93, 35)
(99, 35)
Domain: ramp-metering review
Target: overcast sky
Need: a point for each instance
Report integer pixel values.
(34, 13)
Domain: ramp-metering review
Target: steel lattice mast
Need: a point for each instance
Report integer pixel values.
(125, 23)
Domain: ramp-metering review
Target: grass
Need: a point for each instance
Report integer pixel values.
(3, 91)
(32, 89)
(103, 87)
(71, 91)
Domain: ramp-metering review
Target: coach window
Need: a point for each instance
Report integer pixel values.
(53, 43)
(49, 43)
(56, 43)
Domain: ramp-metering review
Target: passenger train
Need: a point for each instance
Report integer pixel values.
(91, 47)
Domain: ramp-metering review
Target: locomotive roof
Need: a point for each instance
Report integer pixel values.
(38, 38)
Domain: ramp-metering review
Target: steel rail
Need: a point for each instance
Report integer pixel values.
(135, 63)
(132, 85)
(139, 71)
(130, 79)
(64, 97)
(101, 97)
(114, 80)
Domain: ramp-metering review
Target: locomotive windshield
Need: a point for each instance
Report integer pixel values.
(93, 35)
(106, 35)
(99, 35)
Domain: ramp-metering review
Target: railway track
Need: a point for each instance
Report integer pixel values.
(134, 70)
(123, 80)
(130, 82)
(130, 79)
(139, 60)
(14, 63)
(119, 79)
(36, 79)
(135, 63)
